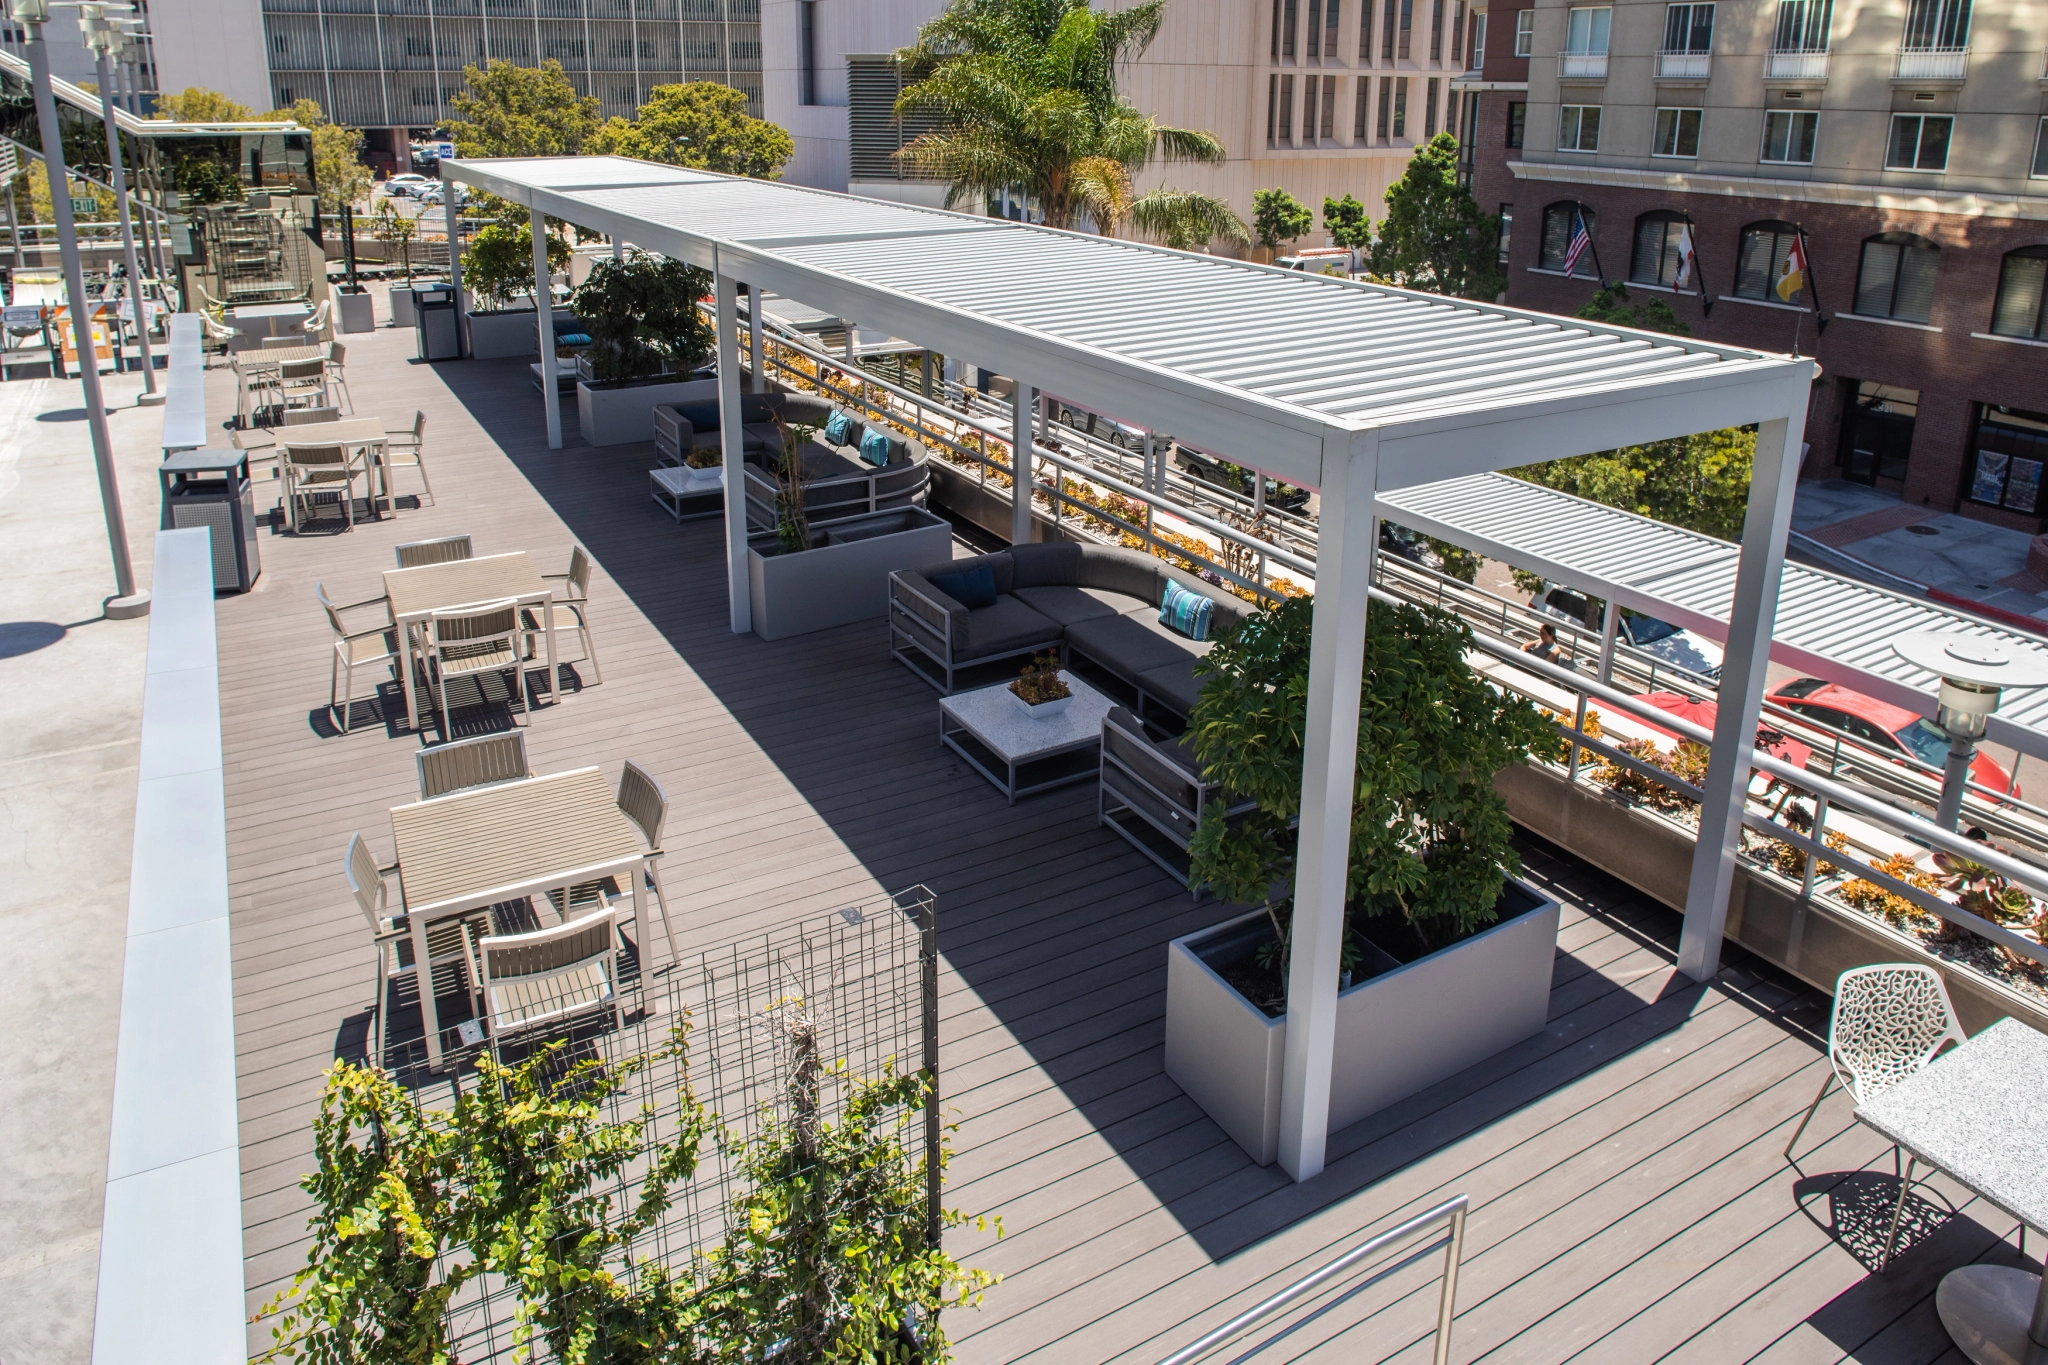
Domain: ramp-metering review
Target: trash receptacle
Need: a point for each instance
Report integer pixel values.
(439, 332)
(210, 488)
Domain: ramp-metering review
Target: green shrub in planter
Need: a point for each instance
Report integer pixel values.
(498, 267)
(643, 314)
(1430, 837)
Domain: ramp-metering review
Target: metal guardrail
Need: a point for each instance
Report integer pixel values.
(1449, 1214)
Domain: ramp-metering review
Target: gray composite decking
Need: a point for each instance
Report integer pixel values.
(1629, 1200)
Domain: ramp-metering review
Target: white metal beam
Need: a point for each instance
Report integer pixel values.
(732, 446)
(544, 321)
(1020, 461)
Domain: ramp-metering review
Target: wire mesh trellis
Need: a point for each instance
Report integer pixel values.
(782, 1031)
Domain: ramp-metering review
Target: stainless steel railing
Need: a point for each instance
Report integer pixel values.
(1449, 1215)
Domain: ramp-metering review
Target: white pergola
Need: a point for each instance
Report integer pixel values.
(1354, 389)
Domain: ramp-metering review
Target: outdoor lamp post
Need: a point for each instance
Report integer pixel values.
(101, 37)
(32, 15)
(1974, 671)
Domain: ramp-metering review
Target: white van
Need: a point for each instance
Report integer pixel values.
(1332, 260)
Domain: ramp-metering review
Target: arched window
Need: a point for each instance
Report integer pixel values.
(2022, 307)
(1761, 256)
(1658, 248)
(1896, 277)
(1558, 230)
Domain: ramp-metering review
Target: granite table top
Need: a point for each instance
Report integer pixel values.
(1980, 1113)
(992, 715)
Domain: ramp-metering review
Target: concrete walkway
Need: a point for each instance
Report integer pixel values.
(1970, 559)
(70, 716)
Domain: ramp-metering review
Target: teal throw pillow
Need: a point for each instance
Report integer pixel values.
(971, 588)
(836, 428)
(1185, 613)
(572, 339)
(874, 447)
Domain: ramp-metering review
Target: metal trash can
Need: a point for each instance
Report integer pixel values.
(439, 330)
(211, 488)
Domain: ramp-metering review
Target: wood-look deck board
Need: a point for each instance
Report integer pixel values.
(805, 774)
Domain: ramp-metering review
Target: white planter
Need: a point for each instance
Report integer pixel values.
(614, 417)
(1398, 1032)
(1042, 710)
(844, 580)
(502, 336)
(355, 312)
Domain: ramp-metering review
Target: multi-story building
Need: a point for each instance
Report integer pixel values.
(394, 64)
(1319, 97)
(1902, 143)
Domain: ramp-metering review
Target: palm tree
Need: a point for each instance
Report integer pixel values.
(1183, 220)
(1024, 92)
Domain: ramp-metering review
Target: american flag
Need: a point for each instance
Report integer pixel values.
(1579, 243)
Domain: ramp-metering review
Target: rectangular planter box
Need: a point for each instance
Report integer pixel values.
(1398, 1032)
(844, 580)
(616, 417)
(502, 336)
(402, 311)
(355, 312)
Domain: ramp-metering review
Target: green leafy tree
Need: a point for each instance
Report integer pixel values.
(1700, 482)
(1278, 216)
(1184, 220)
(1430, 837)
(1347, 222)
(196, 104)
(338, 169)
(1611, 304)
(1436, 237)
(700, 124)
(1024, 92)
(507, 110)
(498, 267)
(643, 312)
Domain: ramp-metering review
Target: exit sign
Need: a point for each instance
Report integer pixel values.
(84, 208)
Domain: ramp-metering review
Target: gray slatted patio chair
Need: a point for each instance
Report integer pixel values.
(570, 612)
(299, 417)
(300, 382)
(355, 649)
(292, 342)
(446, 550)
(337, 370)
(408, 447)
(642, 801)
(551, 974)
(312, 469)
(469, 763)
(451, 941)
(472, 641)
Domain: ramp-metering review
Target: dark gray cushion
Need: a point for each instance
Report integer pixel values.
(1117, 570)
(1132, 645)
(1007, 626)
(1069, 605)
(1176, 685)
(1051, 563)
(999, 563)
(762, 436)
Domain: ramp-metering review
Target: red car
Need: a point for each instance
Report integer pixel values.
(1882, 726)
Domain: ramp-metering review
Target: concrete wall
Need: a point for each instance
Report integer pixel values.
(215, 44)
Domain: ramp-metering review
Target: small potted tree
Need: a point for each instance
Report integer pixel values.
(497, 272)
(647, 338)
(1447, 957)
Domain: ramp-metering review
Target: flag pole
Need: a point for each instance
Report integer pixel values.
(1820, 321)
(1699, 269)
(1592, 245)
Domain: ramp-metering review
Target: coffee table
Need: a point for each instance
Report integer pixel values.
(1976, 1113)
(1024, 754)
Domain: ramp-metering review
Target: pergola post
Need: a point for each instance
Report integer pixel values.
(544, 323)
(731, 442)
(451, 213)
(757, 349)
(1751, 616)
(1336, 667)
(1020, 462)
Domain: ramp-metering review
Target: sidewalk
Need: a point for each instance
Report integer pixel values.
(70, 716)
(1955, 555)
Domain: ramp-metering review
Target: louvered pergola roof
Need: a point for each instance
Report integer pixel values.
(1271, 368)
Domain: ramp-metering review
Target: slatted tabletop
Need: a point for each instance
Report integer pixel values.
(278, 355)
(417, 593)
(457, 849)
(354, 432)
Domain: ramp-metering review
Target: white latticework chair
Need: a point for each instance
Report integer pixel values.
(1888, 1022)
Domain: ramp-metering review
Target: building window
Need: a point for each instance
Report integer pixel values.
(1895, 278)
(1507, 228)
(1287, 108)
(1919, 142)
(1678, 133)
(1288, 15)
(1457, 30)
(1689, 28)
(2041, 151)
(1401, 107)
(1518, 122)
(1276, 28)
(1477, 57)
(1358, 114)
(1656, 257)
(1877, 431)
(1789, 136)
(1761, 256)
(1585, 32)
(1386, 103)
(1803, 26)
(2007, 456)
(807, 51)
(1525, 32)
(1436, 31)
(1556, 246)
(1272, 109)
(1407, 29)
(1330, 29)
(1431, 94)
(1329, 120)
(1315, 28)
(1387, 30)
(1937, 25)
(1310, 85)
(1578, 128)
(2022, 307)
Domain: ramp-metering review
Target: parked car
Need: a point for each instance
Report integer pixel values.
(1658, 639)
(408, 185)
(1882, 726)
(432, 195)
(1209, 469)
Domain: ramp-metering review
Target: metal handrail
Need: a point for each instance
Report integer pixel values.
(1451, 1211)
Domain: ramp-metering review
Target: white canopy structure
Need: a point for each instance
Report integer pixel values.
(1351, 388)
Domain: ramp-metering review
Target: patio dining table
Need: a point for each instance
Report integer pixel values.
(248, 365)
(365, 433)
(416, 594)
(459, 853)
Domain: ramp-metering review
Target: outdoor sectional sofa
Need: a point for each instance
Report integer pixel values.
(1092, 601)
(838, 482)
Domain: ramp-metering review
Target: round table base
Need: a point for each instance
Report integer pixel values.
(1986, 1309)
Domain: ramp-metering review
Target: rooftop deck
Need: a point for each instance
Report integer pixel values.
(1629, 1198)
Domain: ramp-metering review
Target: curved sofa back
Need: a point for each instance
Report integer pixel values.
(1107, 568)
